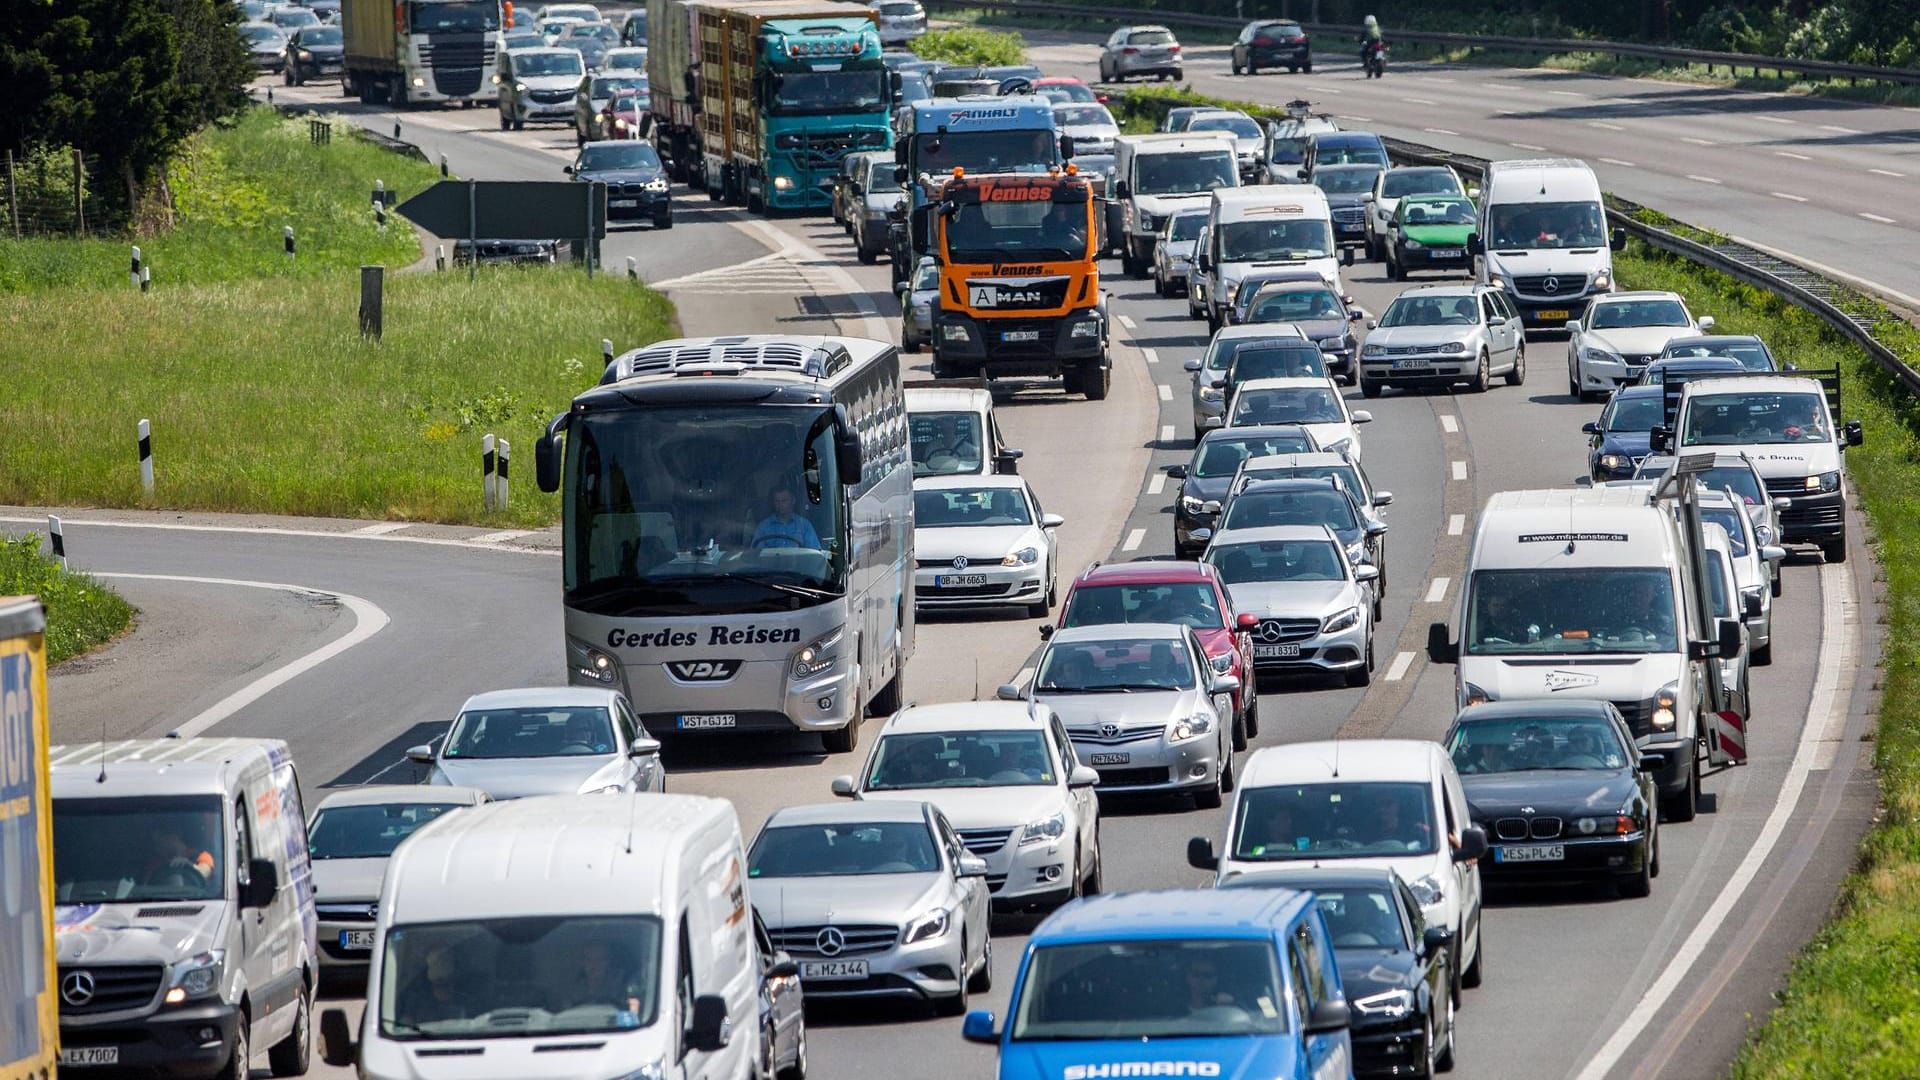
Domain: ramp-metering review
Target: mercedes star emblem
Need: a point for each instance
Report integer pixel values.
(76, 987)
(1550, 286)
(830, 941)
(959, 562)
(1270, 631)
(1108, 731)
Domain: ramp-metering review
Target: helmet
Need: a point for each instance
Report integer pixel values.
(1371, 21)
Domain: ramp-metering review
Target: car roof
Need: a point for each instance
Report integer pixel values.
(1700, 363)
(1287, 382)
(1338, 138)
(1291, 483)
(1316, 283)
(968, 480)
(1313, 459)
(964, 716)
(1639, 390)
(1146, 572)
(1448, 289)
(1763, 384)
(1352, 166)
(1638, 294)
(1519, 710)
(1308, 878)
(1272, 533)
(1147, 26)
(1109, 631)
(841, 811)
(1263, 330)
(134, 767)
(397, 794)
(1714, 340)
(544, 50)
(1349, 760)
(534, 697)
(1252, 431)
(1173, 913)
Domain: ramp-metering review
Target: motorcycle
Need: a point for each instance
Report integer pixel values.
(1373, 57)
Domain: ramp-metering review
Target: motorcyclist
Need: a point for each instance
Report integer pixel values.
(1370, 38)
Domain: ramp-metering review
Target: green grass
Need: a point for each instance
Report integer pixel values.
(81, 612)
(971, 45)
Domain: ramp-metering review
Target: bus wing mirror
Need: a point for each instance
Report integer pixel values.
(846, 450)
(546, 464)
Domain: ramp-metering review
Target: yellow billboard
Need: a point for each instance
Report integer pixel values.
(29, 1022)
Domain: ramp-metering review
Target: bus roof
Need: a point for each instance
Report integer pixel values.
(801, 358)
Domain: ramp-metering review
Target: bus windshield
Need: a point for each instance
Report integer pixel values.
(703, 509)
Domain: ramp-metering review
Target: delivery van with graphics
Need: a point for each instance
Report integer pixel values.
(1231, 983)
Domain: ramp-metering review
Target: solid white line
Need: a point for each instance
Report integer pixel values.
(432, 541)
(1565, 93)
(1133, 540)
(1439, 131)
(1398, 669)
(1166, 392)
(1841, 130)
(368, 620)
(1876, 217)
(1152, 355)
(1437, 589)
(1166, 433)
(1791, 154)
(1359, 119)
(1788, 197)
(1456, 524)
(382, 528)
(502, 536)
(1702, 179)
(1604, 126)
(1886, 172)
(1419, 101)
(1156, 483)
(1527, 146)
(1617, 161)
(1829, 704)
(1449, 423)
(1459, 470)
(1126, 322)
(1698, 142)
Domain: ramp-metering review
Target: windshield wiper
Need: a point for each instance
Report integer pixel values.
(777, 586)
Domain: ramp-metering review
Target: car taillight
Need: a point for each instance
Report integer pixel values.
(1173, 48)
(1262, 41)
(1129, 51)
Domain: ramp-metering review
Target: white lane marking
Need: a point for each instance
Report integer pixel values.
(1359, 119)
(368, 620)
(1791, 154)
(1327, 90)
(1604, 126)
(1437, 589)
(1838, 626)
(1776, 120)
(1876, 217)
(1698, 142)
(1133, 540)
(870, 322)
(432, 541)
(1527, 146)
(1156, 483)
(1886, 172)
(502, 536)
(1439, 131)
(1703, 179)
(1787, 196)
(1617, 161)
(1565, 93)
(1459, 470)
(1126, 322)
(1456, 524)
(1449, 423)
(382, 528)
(1152, 355)
(1398, 669)
(1166, 392)
(1166, 433)
(1419, 101)
(1841, 129)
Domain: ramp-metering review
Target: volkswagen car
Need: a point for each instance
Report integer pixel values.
(1311, 601)
(1438, 335)
(545, 740)
(982, 541)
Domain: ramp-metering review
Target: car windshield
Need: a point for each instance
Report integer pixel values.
(1285, 31)
(1274, 241)
(1535, 225)
(598, 31)
(1600, 609)
(1038, 230)
(261, 32)
(558, 731)
(1239, 127)
(542, 64)
(880, 177)
(1185, 227)
(1369, 154)
(1426, 212)
(1175, 988)
(819, 93)
(321, 35)
(628, 154)
(1221, 455)
(1277, 560)
(1294, 359)
(843, 849)
(628, 60)
(1755, 418)
(1356, 820)
(1083, 116)
(926, 277)
(289, 18)
(1536, 743)
(1181, 174)
(368, 831)
(1071, 91)
(1730, 519)
(1401, 183)
(1620, 314)
(1117, 665)
(1752, 354)
(1345, 180)
(1642, 413)
(1358, 916)
(1150, 37)
(1189, 603)
(961, 759)
(898, 10)
(1287, 405)
(1295, 304)
(459, 17)
(943, 442)
(1259, 509)
(515, 977)
(1027, 150)
(1416, 309)
(607, 85)
(141, 849)
(946, 508)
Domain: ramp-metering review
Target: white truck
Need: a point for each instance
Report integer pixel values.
(1155, 175)
(1542, 235)
(412, 52)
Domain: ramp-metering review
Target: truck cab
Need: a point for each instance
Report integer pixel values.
(1156, 176)
(975, 133)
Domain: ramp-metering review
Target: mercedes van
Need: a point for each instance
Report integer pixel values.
(1542, 235)
(1157, 175)
(1264, 227)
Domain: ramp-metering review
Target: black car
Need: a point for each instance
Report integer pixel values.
(266, 45)
(1272, 44)
(1319, 312)
(1342, 148)
(1207, 475)
(1271, 358)
(1561, 790)
(314, 52)
(1676, 370)
(1348, 187)
(1396, 971)
(636, 180)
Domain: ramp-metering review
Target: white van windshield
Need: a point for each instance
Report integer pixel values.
(515, 977)
(1275, 241)
(1366, 819)
(1596, 609)
(1535, 225)
(1183, 174)
(138, 850)
(1750, 419)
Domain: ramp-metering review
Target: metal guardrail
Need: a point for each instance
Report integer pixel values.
(1820, 69)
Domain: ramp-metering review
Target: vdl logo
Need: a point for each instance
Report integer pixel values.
(703, 670)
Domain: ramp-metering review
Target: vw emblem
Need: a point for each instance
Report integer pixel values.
(959, 562)
(1270, 631)
(76, 987)
(830, 941)
(1108, 731)
(1550, 286)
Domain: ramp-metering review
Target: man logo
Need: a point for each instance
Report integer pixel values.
(703, 670)
(1569, 680)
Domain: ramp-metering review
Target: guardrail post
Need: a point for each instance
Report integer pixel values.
(506, 459)
(372, 301)
(145, 431)
(58, 539)
(133, 268)
(286, 236)
(486, 470)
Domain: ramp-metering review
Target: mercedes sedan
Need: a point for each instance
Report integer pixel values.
(546, 740)
(1312, 602)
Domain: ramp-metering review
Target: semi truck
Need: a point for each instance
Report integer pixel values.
(1020, 288)
(29, 1016)
(760, 101)
(410, 52)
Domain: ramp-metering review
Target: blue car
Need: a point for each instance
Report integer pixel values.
(1220, 983)
(1618, 440)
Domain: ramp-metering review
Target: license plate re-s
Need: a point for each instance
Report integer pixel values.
(950, 581)
(1267, 652)
(356, 939)
(1531, 853)
(828, 970)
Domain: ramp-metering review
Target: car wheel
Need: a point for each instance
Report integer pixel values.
(1684, 804)
(1239, 731)
(1209, 797)
(956, 1004)
(1762, 656)
(1443, 1061)
(1096, 879)
(1236, 66)
(844, 740)
(1307, 67)
(797, 1070)
(982, 979)
(663, 222)
(1835, 551)
(519, 125)
(1471, 977)
(1253, 707)
(1252, 68)
(1179, 74)
(1638, 885)
(1396, 269)
(1363, 675)
(291, 1055)
(1573, 381)
(1371, 387)
(1481, 375)
(1518, 373)
(1159, 286)
(505, 124)
(1226, 764)
(1653, 843)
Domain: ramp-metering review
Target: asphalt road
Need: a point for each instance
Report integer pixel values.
(446, 613)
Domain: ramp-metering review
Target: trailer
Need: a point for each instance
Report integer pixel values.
(414, 52)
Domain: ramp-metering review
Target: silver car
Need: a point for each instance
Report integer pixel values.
(1092, 128)
(350, 836)
(1311, 600)
(547, 740)
(900, 20)
(916, 306)
(1143, 707)
(1141, 51)
(1173, 252)
(1249, 141)
(875, 899)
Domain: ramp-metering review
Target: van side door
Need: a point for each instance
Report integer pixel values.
(256, 933)
(1310, 966)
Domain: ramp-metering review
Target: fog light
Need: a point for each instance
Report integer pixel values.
(1051, 873)
(1197, 771)
(176, 995)
(825, 703)
(208, 1035)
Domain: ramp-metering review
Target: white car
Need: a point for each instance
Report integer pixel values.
(900, 20)
(1312, 601)
(1173, 252)
(545, 740)
(1437, 335)
(582, 12)
(1620, 334)
(627, 58)
(555, 28)
(1392, 185)
(1313, 403)
(1005, 775)
(982, 541)
(1092, 128)
(1249, 140)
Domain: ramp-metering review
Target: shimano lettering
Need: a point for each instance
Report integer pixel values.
(1113, 1069)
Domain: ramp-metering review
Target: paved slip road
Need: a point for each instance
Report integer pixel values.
(447, 612)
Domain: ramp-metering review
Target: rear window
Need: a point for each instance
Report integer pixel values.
(1150, 37)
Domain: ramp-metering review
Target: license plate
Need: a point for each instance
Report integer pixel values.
(1448, 253)
(1112, 759)
(1554, 313)
(957, 581)
(1269, 652)
(623, 204)
(90, 1055)
(1020, 335)
(1531, 853)
(829, 970)
(706, 721)
(1411, 365)
(356, 939)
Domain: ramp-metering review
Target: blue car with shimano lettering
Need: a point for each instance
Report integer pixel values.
(1232, 984)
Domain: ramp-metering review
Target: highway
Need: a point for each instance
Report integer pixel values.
(1577, 985)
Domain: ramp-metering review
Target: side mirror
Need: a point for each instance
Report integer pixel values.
(262, 885)
(1473, 192)
(1066, 148)
(972, 866)
(900, 171)
(1191, 365)
(1652, 761)
(1211, 506)
(1474, 244)
(1855, 433)
(1046, 631)
(1246, 620)
(1732, 637)
(1573, 326)
(1366, 572)
(1378, 528)
(1362, 416)
(643, 746)
(1773, 553)
(1206, 260)
(1200, 855)
(1121, 190)
(783, 967)
(1373, 324)
(1591, 427)
(1328, 1017)
(1435, 939)
(1440, 646)
(1782, 503)
(1706, 322)
(546, 463)
(1473, 844)
(978, 1027)
(1008, 692)
(1178, 472)
(1225, 684)
(336, 1039)
(900, 159)
(1051, 521)
(568, 169)
(420, 755)
(1082, 777)
(1346, 259)
(1353, 314)
(712, 1028)
(843, 786)
(1660, 440)
(1751, 607)
(1618, 240)
(1383, 498)
(1299, 174)
(1218, 384)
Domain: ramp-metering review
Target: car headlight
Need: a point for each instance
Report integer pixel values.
(1331, 344)
(1413, 245)
(1374, 350)
(1192, 505)
(519, 88)
(1222, 663)
(930, 925)
(1146, 221)
(1615, 461)
(1341, 620)
(1085, 328)
(1191, 728)
(1612, 825)
(599, 666)
(653, 1070)
(953, 332)
(1232, 290)
(818, 655)
(1427, 890)
(305, 55)
(1026, 556)
(783, 183)
(658, 183)
(1387, 1005)
(196, 977)
(1212, 393)
(1826, 481)
(1600, 356)
(1044, 830)
(1663, 706)
(1763, 533)
(1356, 553)
(1474, 695)
(1453, 347)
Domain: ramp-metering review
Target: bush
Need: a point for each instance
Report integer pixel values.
(81, 612)
(970, 45)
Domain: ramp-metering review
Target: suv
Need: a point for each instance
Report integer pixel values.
(1273, 44)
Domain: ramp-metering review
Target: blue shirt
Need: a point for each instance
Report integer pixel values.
(796, 531)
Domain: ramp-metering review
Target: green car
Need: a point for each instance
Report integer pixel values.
(1429, 232)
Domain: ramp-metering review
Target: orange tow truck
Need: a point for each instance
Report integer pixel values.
(1019, 287)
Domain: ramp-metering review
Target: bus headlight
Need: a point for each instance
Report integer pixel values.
(817, 656)
(598, 666)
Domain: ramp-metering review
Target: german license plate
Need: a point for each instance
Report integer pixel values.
(1559, 314)
(1020, 335)
(1448, 253)
(706, 721)
(356, 939)
(1411, 365)
(1271, 652)
(958, 581)
(623, 204)
(1531, 853)
(829, 970)
(90, 1055)
(1112, 759)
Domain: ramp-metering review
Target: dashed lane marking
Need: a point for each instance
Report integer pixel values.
(1617, 161)
(1126, 322)
(1398, 669)
(382, 528)
(502, 536)
(1790, 197)
(1604, 126)
(1156, 483)
(1703, 179)
(1449, 423)
(1456, 524)
(1876, 217)
(1776, 120)
(1792, 155)
(1134, 540)
(1527, 146)
(1887, 172)
(1841, 129)
(1698, 142)
(1166, 433)
(1419, 101)
(1152, 355)
(1459, 470)
(1439, 131)
(1437, 589)
(1166, 392)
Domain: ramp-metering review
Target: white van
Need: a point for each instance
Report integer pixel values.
(1156, 175)
(1542, 235)
(183, 907)
(1587, 593)
(563, 936)
(951, 430)
(1264, 227)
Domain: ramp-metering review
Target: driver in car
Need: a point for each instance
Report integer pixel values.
(783, 528)
(1638, 611)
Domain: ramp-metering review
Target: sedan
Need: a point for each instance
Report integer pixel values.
(1393, 185)
(1249, 287)
(1091, 127)
(1348, 187)
(1208, 475)
(916, 305)
(350, 836)
(1141, 51)
(1306, 500)
(1321, 314)
(1561, 791)
(1173, 252)
(266, 45)
(1438, 335)
(1396, 970)
(1617, 441)
(560, 740)
(590, 104)
(1142, 705)
(1428, 232)
(1277, 43)
(627, 59)
(1668, 371)
(1751, 351)
(636, 180)
(1310, 599)
(900, 20)
(289, 18)
(1620, 334)
(1312, 403)
(983, 541)
(1249, 141)
(314, 52)
(874, 899)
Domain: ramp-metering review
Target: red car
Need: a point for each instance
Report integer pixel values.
(1188, 593)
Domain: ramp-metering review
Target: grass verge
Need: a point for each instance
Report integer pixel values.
(82, 614)
(971, 45)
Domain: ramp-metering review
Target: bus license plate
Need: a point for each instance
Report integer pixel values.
(1531, 853)
(1112, 759)
(1557, 314)
(707, 721)
(959, 581)
(1020, 335)
(829, 970)
(1269, 652)
(90, 1055)
(356, 939)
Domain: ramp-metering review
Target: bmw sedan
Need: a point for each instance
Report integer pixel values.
(982, 541)
(545, 740)
(874, 899)
(637, 188)
(1311, 601)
